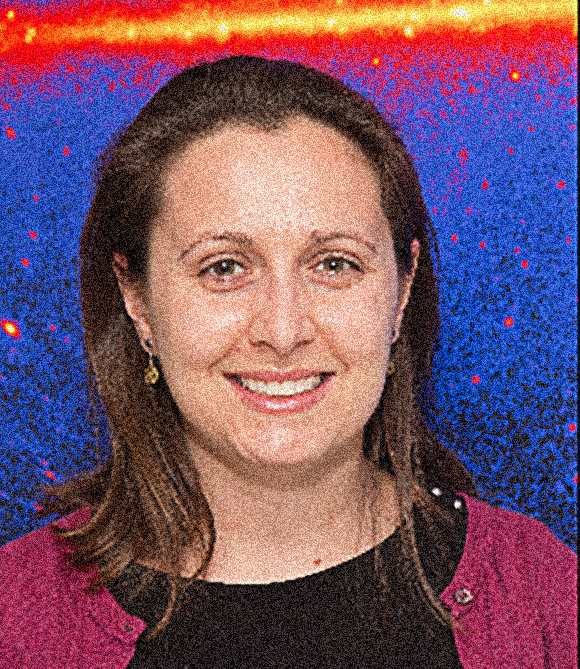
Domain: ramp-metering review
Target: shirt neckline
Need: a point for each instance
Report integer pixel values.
(320, 574)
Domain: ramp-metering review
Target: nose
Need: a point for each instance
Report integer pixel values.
(281, 319)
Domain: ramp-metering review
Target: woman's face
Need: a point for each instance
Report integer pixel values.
(272, 254)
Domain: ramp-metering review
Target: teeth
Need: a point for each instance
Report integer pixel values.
(286, 388)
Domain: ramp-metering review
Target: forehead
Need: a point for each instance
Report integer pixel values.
(304, 177)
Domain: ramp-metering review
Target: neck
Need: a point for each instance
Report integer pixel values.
(294, 525)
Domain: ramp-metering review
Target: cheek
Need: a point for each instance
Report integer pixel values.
(360, 327)
(191, 335)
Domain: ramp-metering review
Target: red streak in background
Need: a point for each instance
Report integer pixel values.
(59, 28)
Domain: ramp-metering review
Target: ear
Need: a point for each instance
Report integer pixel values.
(406, 291)
(134, 298)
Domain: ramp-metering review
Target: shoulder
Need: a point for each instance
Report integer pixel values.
(495, 528)
(35, 562)
(506, 550)
(41, 543)
(47, 617)
(514, 592)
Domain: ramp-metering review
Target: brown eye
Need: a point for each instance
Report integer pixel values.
(337, 264)
(222, 268)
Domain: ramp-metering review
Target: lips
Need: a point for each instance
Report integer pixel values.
(279, 377)
(280, 404)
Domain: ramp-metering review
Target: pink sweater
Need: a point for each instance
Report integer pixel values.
(514, 591)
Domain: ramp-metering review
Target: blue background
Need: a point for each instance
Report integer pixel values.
(459, 112)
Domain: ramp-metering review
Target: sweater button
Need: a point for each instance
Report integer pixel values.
(128, 628)
(463, 596)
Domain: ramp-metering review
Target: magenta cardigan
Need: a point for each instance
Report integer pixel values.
(514, 593)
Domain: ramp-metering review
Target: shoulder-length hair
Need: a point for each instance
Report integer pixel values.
(146, 498)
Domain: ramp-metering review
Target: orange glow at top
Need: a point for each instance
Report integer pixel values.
(10, 328)
(186, 24)
(10, 14)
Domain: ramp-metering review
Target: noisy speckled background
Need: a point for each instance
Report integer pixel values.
(497, 161)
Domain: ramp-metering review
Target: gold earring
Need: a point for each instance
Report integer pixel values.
(151, 373)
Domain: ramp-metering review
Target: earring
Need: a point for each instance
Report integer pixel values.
(151, 373)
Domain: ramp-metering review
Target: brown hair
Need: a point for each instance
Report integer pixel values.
(146, 498)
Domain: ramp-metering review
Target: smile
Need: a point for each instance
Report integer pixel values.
(280, 398)
(285, 389)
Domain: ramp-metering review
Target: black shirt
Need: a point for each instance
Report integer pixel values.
(328, 619)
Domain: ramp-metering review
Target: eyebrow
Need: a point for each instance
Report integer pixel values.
(244, 240)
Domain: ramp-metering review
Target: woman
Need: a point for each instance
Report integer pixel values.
(259, 246)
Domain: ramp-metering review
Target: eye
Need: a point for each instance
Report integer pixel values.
(222, 268)
(228, 268)
(335, 264)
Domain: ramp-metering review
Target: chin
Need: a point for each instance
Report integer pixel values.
(290, 450)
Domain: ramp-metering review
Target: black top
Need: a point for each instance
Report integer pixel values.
(328, 619)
